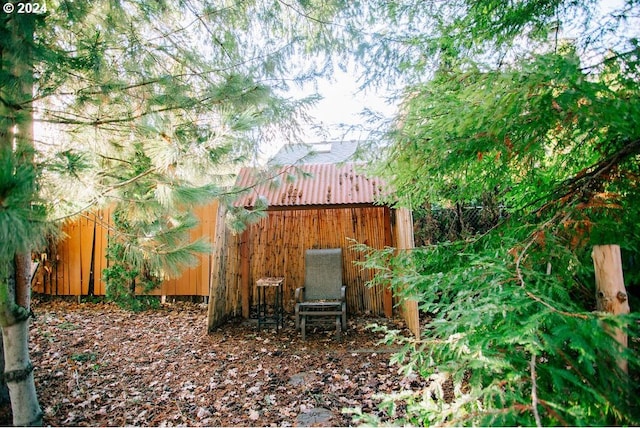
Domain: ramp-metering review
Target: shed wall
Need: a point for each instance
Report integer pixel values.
(278, 242)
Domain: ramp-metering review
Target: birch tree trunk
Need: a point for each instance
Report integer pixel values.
(16, 139)
(611, 294)
(4, 390)
(18, 371)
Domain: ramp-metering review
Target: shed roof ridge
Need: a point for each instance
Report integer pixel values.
(326, 184)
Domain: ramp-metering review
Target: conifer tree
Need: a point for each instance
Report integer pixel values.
(534, 104)
(167, 99)
(21, 213)
(142, 104)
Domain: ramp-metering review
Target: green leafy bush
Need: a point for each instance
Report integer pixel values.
(508, 321)
(548, 124)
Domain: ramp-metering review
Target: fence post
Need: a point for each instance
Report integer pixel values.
(611, 294)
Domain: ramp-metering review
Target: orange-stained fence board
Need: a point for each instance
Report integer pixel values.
(71, 257)
(74, 260)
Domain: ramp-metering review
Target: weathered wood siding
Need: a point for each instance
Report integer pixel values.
(225, 290)
(68, 268)
(278, 242)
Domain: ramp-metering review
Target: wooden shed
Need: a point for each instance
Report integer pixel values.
(315, 206)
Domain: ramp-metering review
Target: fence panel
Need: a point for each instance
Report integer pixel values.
(75, 264)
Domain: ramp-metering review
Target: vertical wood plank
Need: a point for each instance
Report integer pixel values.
(74, 260)
(101, 250)
(86, 246)
(207, 217)
(388, 296)
(244, 273)
(405, 241)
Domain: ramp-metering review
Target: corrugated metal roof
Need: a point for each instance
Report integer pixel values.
(309, 184)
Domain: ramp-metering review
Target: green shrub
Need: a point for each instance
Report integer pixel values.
(511, 317)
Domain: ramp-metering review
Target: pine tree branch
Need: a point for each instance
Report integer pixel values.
(212, 33)
(95, 199)
(306, 15)
(105, 157)
(59, 119)
(548, 407)
(90, 91)
(99, 122)
(131, 180)
(10, 105)
(459, 421)
(609, 58)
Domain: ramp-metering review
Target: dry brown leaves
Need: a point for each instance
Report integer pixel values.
(97, 365)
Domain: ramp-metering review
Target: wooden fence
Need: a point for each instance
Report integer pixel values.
(273, 247)
(73, 266)
(405, 241)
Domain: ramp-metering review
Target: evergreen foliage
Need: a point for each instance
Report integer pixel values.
(150, 107)
(550, 128)
(145, 105)
(22, 215)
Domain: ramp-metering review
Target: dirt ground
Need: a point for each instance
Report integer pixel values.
(96, 365)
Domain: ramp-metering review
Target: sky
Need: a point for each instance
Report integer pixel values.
(341, 108)
(343, 104)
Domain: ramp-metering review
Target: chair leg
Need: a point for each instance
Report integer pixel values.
(297, 317)
(338, 326)
(303, 326)
(344, 317)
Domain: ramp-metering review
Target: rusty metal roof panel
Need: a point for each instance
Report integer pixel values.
(308, 185)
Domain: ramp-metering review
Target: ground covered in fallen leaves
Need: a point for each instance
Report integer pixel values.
(97, 365)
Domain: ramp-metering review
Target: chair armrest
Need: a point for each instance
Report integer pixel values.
(343, 292)
(299, 296)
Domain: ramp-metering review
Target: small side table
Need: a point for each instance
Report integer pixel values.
(264, 316)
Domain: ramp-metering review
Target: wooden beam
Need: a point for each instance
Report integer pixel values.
(405, 241)
(387, 299)
(244, 273)
(316, 207)
(218, 283)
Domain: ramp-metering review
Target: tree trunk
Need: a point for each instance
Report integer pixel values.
(15, 299)
(15, 265)
(611, 295)
(4, 390)
(19, 375)
(18, 380)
